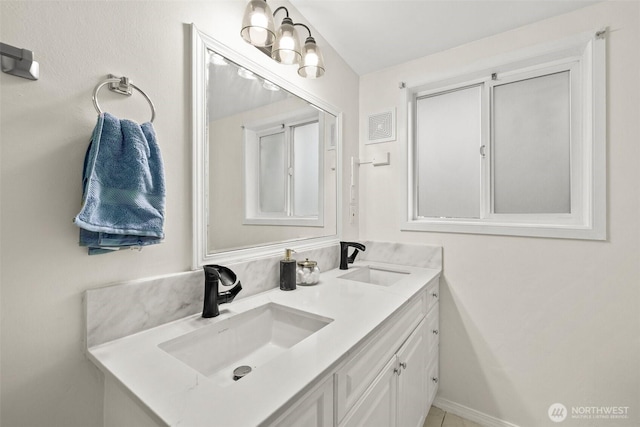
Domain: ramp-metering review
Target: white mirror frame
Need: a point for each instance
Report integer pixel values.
(201, 42)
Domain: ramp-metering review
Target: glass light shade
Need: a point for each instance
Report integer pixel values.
(270, 86)
(216, 59)
(246, 74)
(286, 48)
(257, 24)
(312, 65)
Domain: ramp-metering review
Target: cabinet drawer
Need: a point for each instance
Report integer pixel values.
(358, 372)
(433, 327)
(433, 293)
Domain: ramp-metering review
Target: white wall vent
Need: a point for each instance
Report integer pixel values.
(382, 127)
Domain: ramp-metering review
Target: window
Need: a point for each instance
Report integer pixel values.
(448, 138)
(531, 144)
(514, 149)
(283, 181)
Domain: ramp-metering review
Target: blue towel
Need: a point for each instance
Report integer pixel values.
(123, 187)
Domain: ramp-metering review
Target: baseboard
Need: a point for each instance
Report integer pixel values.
(470, 414)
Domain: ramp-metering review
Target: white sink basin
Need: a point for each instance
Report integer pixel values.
(251, 338)
(375, 275)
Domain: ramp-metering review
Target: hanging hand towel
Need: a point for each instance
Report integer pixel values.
(123, 187)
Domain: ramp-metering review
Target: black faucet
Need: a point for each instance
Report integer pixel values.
(213, 275)
(344, 248)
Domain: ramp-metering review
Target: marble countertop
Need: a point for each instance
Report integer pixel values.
(179, 395)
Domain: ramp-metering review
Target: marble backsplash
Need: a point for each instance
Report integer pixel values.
(123, 309)
(424, 256)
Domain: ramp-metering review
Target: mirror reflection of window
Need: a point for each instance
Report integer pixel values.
(273, 173)
(306, 169)
(284, 182)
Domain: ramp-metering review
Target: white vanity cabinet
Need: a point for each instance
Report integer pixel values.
(403, 389)
(389, 380)
(358, 372)
(398, 395)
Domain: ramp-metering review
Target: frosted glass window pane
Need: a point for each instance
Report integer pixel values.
(306, 170)
(448, 135)
(531, 145)
(273, 166)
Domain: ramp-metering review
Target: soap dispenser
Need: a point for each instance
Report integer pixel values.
(288, 271)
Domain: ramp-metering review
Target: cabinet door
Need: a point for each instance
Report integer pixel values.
(412, 379)
(378, 405)
(313, 410)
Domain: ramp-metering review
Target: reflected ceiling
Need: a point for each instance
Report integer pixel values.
(232, 95)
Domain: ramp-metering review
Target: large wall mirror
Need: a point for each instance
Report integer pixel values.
(266, 159)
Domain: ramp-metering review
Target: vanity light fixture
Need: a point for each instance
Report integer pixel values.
(312, 65)
(282, 45)
(286, 48)
(257, 24)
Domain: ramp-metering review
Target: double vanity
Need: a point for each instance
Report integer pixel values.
(359, 348)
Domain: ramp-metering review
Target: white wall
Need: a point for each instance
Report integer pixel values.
(45, 128)
(527, 322)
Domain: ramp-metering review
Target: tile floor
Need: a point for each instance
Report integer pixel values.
(439, 418)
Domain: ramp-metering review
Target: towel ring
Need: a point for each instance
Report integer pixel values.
(123, 87)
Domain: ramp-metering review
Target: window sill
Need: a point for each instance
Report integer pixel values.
(297, 222)
(585, 232)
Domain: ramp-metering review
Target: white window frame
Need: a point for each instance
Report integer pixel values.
(584, 57)
(252, 133)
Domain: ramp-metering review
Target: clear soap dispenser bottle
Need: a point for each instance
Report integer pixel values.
(288, 271)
